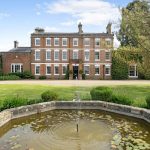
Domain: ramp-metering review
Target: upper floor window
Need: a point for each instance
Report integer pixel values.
(64, 41)
(86, 41)
(56, 41)
(48, 54)
(48, 41)
(16, 68)
(86, 55)
(37, 42)
(64, 55)
(56, 55)
(108, 41)
(75, 54)
(75, 41)
(107, 55)
(97, 55)
(37, 54)
(97, 42)
(86, 69)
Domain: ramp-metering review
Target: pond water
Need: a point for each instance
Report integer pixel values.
(57, 130)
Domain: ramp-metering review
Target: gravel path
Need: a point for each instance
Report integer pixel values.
(79, 82)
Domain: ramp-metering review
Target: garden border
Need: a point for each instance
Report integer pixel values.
(9, 114)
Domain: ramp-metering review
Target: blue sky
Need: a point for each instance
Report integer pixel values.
(18, 18)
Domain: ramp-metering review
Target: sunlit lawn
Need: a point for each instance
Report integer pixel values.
(137, 93)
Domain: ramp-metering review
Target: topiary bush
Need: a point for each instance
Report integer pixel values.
(9, 77)
(148, 101)
(42, 77)
(49, 96)
(121, 99)
(12, 102)
(101, 93)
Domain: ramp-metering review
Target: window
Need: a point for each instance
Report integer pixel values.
(37, 54)
(97, 70)
(56, 41)
(86, 55)
(64, 41)
(86, 41)
(75, 41)
(75, 54)
(56, 69)
(97, 55)
(107, 69)
(48, 69)
(37, 41)
(48, 54)
(97, 42)
(64, 69)
(48, 41)
(37, 69)
(108, 41)
(56, 55)
(16, 68)
(64, 55)
(86, 69)
(133, 71)
(107, 55)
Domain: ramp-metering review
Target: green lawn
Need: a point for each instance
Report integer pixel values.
(137, 93)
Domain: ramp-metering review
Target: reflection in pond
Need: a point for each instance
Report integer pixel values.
(56, 130)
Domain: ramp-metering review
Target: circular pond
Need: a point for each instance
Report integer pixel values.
(57, 130)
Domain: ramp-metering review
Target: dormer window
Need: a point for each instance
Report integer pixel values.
(37, 41)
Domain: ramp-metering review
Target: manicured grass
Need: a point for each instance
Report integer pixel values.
(137, 93)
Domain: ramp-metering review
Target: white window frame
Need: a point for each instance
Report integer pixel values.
(64, 65)
(56, 50)
(14, 64)
(84, 55)
(36, 43)
(98, 66)
(35, 54)
(85, 41)
(108, 39)
(37, 65)
(50, 54)
(55, 43)
(109, 55)
(50, 42)
(76, 39)
(97, 39)
(99, 55)
(84, 69)
(75, 50)
(48, 65)
(135, 71)
(66, 55)
(54, 69)
(108, 66)
(66, 39)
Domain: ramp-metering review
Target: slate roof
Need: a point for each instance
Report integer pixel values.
(21, 49)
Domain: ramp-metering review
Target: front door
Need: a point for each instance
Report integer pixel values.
(75, 72)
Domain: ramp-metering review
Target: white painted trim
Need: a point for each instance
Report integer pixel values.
(35, 69)
(54, 41)
(98, 66)
(13, 64)
(88, 40)
(37, 50)
(35, 41)
(65, 50)
(48, 50)
(54, 69)
(66, 41)
(62, 68)
(77, 41)
(50, 42)
(48, 63)
(56, 50)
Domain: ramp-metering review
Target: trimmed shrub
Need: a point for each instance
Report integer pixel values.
(42, 77)
(121, 99)
(148, 101)
(101, 93)
(12, 102)
(83, 76)
(49, 96)
(23, 75)
(9, 77)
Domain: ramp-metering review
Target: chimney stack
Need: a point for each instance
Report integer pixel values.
(108, 28)
(80, 28)
(16, 44)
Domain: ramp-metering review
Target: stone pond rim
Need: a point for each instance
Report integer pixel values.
(9, 114)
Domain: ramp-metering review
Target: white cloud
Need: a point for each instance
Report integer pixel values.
(4, 15)
(68, 23)
(38, 9)
(51, 29)
(91, 12)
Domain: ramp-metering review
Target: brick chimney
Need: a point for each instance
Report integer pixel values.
(16, 44)
(108, 28)
(80, 28)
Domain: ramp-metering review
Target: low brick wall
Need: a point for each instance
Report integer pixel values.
(9, 114)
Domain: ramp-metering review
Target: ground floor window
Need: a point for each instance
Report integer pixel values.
(86, 70)
(64, 69)
(107, 70)
(97, 70)
(48, 70)
(133, 71)
(16, 68)
(56, 70)
(37, 70)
